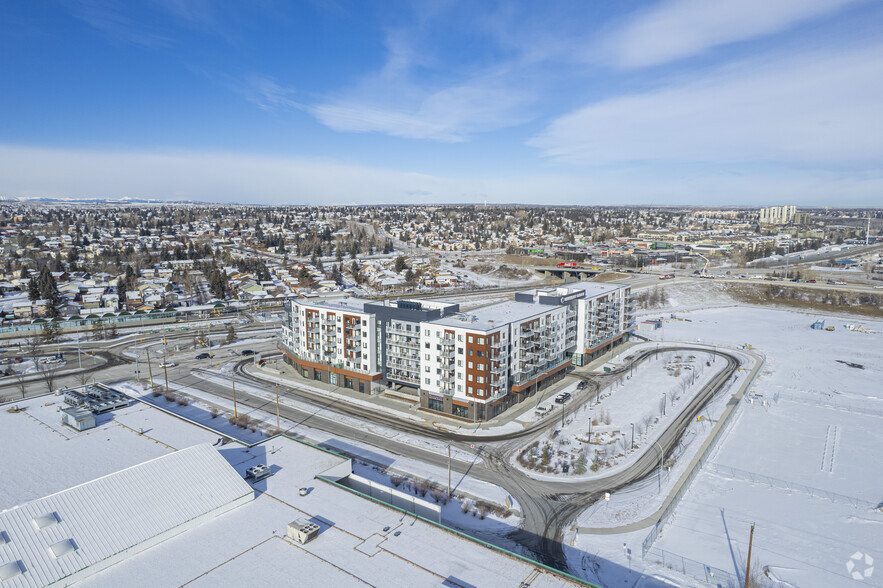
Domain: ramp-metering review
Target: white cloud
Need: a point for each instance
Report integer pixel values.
(676, 29)
(231, 177)
(450, 114)
(819, 110)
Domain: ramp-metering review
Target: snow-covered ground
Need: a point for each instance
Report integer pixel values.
(460, 511)
(802, 461)
(626, 417)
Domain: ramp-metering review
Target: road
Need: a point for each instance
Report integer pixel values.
(548, 507)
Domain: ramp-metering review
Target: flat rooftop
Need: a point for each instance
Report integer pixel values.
(591, 289)
(344, 304)
(357, 543)
(493, 316)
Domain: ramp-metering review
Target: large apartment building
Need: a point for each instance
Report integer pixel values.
(778, 215)
(471, 365)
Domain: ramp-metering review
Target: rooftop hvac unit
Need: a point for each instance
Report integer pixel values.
(258, 472)
(303, 531)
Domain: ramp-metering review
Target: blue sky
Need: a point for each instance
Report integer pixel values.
(329, 101)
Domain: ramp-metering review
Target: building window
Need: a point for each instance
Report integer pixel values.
(434, 404)
(469, 364)
(460, 338)
(460, 411)
(459, 363)
(427, 332)
(460, 350)
(426, 357)
(479, 380)
(427, 381)
(459, 387)
(480, 353)
(469, 377)
(480, 340)
(479, 367)
(469, 389)
(470, 353)
(469, 339)
(426, 345)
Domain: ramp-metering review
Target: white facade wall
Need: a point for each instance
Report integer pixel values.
(322, 339)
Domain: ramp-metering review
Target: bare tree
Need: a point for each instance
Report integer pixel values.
(21, 383)
(48, 373)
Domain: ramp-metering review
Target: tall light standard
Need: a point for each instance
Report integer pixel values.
(661, 455)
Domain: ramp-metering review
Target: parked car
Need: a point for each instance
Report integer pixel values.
(203, 356)
(562, 398)
(544, 410)
(246, 352)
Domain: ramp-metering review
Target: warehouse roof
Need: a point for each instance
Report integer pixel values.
(74, 533)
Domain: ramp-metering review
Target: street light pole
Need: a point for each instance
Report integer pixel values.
(661, 456)
(449, 467)
(633, 437)
(233, 382)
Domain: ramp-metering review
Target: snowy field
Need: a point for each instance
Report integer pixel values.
(801, 460)
(624, 419)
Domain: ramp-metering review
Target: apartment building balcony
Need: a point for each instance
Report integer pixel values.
(446, 354)
(401, 331)
(447, 341)
(403, 377)
(403, 344)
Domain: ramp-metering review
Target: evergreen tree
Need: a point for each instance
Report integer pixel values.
(33, 290)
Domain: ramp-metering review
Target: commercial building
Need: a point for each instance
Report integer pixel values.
(471, 365)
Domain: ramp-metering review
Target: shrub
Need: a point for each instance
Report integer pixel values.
(169, 396)
(214, 412)
(182, 400)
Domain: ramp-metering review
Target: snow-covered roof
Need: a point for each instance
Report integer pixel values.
(79, 531)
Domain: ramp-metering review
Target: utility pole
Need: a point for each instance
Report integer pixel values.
(633, 437)
(165, 369)
(277, 406)
(149, 368)
(748, 565)
(233, 382)
(449, 467)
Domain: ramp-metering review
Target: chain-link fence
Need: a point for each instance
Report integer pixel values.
(755, 478)
(830, 402)
(695, 569)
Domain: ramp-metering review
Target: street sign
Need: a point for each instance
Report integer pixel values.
(607, 496)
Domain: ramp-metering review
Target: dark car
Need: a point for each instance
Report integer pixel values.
(562, 398)
(246, 352)
(582, 385)
(204, 356)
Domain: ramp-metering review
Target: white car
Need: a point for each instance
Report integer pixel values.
(167, 364)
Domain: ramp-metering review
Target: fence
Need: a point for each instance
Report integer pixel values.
(789, 486)
(695, 569)
(838, 403)
(723, 424)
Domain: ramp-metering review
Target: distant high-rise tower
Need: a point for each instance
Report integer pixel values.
(778, 215)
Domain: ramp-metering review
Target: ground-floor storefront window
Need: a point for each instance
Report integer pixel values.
(434, 404)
